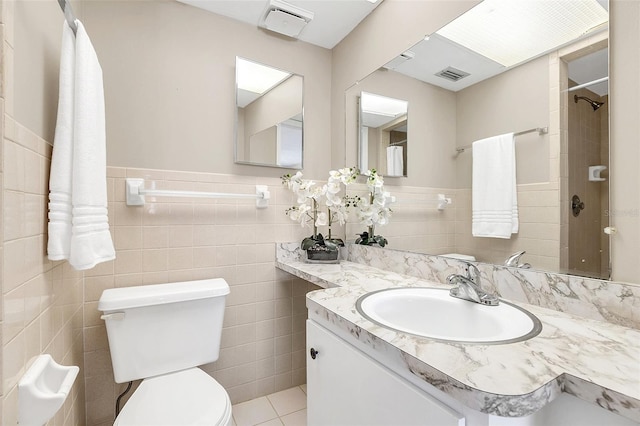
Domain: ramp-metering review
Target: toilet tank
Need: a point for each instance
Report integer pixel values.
(158, 329)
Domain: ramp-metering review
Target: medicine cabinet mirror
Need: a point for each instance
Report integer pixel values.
(269, 116)
(383, 141)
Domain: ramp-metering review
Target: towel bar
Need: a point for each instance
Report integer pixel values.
(68, 14)
(135, 193)
(541, 131)
(441, 201)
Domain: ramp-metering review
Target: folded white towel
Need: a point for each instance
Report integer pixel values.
(59, 243)
(84, 162)
(494, 192)
(395, 163)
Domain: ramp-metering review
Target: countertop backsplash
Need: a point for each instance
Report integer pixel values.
(610, 301)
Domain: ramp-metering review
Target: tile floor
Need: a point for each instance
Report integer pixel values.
(287, 407)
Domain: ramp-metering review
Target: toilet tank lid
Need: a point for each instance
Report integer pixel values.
(147, 295)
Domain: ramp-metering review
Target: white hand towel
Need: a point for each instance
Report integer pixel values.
(59, 243)
(395, 166)
(494, 191)
(90, 238)
(78, 189)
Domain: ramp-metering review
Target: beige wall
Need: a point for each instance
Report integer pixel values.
(275, 106)
(499, 105)
(504, 104)
(371, 44)
(431, 127)
(416, 225)
(35, 35)
(440, 120)
(260, 118)
(170, 85)
(262, 146)
(41, 300)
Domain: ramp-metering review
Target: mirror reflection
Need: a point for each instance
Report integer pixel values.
(469, 93)
(383, 134)
(586, 187)
(269, 116)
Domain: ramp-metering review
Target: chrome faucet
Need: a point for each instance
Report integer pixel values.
(468, 288)
(514, 260)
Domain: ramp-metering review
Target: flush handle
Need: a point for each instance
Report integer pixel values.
(118, 316)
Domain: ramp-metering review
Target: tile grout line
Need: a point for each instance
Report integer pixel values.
(274, 408)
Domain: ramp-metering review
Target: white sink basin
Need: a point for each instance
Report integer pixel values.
(431, 312)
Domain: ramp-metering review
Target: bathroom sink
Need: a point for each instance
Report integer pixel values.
(432, 313)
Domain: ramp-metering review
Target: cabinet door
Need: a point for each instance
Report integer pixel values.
(346, 387)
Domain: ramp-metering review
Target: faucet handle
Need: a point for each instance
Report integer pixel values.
(514, 259)
(473, 273)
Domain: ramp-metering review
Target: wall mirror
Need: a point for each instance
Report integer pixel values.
(383, 136)
(463, 91)
(269, 116)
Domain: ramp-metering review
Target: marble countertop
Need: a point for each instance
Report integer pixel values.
(595, 361)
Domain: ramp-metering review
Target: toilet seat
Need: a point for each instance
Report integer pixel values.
(188, 397)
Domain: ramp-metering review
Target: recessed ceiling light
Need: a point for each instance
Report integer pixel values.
(372, 1)
(510, 32)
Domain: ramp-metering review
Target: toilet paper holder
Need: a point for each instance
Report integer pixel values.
(43, 389)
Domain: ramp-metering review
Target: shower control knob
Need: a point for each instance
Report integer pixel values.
(576, 205)
(313, 353)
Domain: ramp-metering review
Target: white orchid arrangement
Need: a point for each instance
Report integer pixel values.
(320, 205)
(373, 211)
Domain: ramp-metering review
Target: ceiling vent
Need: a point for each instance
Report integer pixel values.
(452, 74)
(285, 18)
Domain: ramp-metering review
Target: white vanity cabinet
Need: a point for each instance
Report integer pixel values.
(346, 387)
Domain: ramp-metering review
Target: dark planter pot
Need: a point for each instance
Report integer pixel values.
(321, 254)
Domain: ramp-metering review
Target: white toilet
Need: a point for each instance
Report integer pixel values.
(161, 333)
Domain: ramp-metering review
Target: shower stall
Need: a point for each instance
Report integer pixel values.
(585, 189)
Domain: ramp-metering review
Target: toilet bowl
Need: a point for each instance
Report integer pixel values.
(189, 397)
(161, 334)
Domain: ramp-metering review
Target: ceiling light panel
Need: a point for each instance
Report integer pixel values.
(382, 105)
(258, 78)
(513, 31)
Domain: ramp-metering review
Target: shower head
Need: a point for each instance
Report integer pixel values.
(594, 104)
